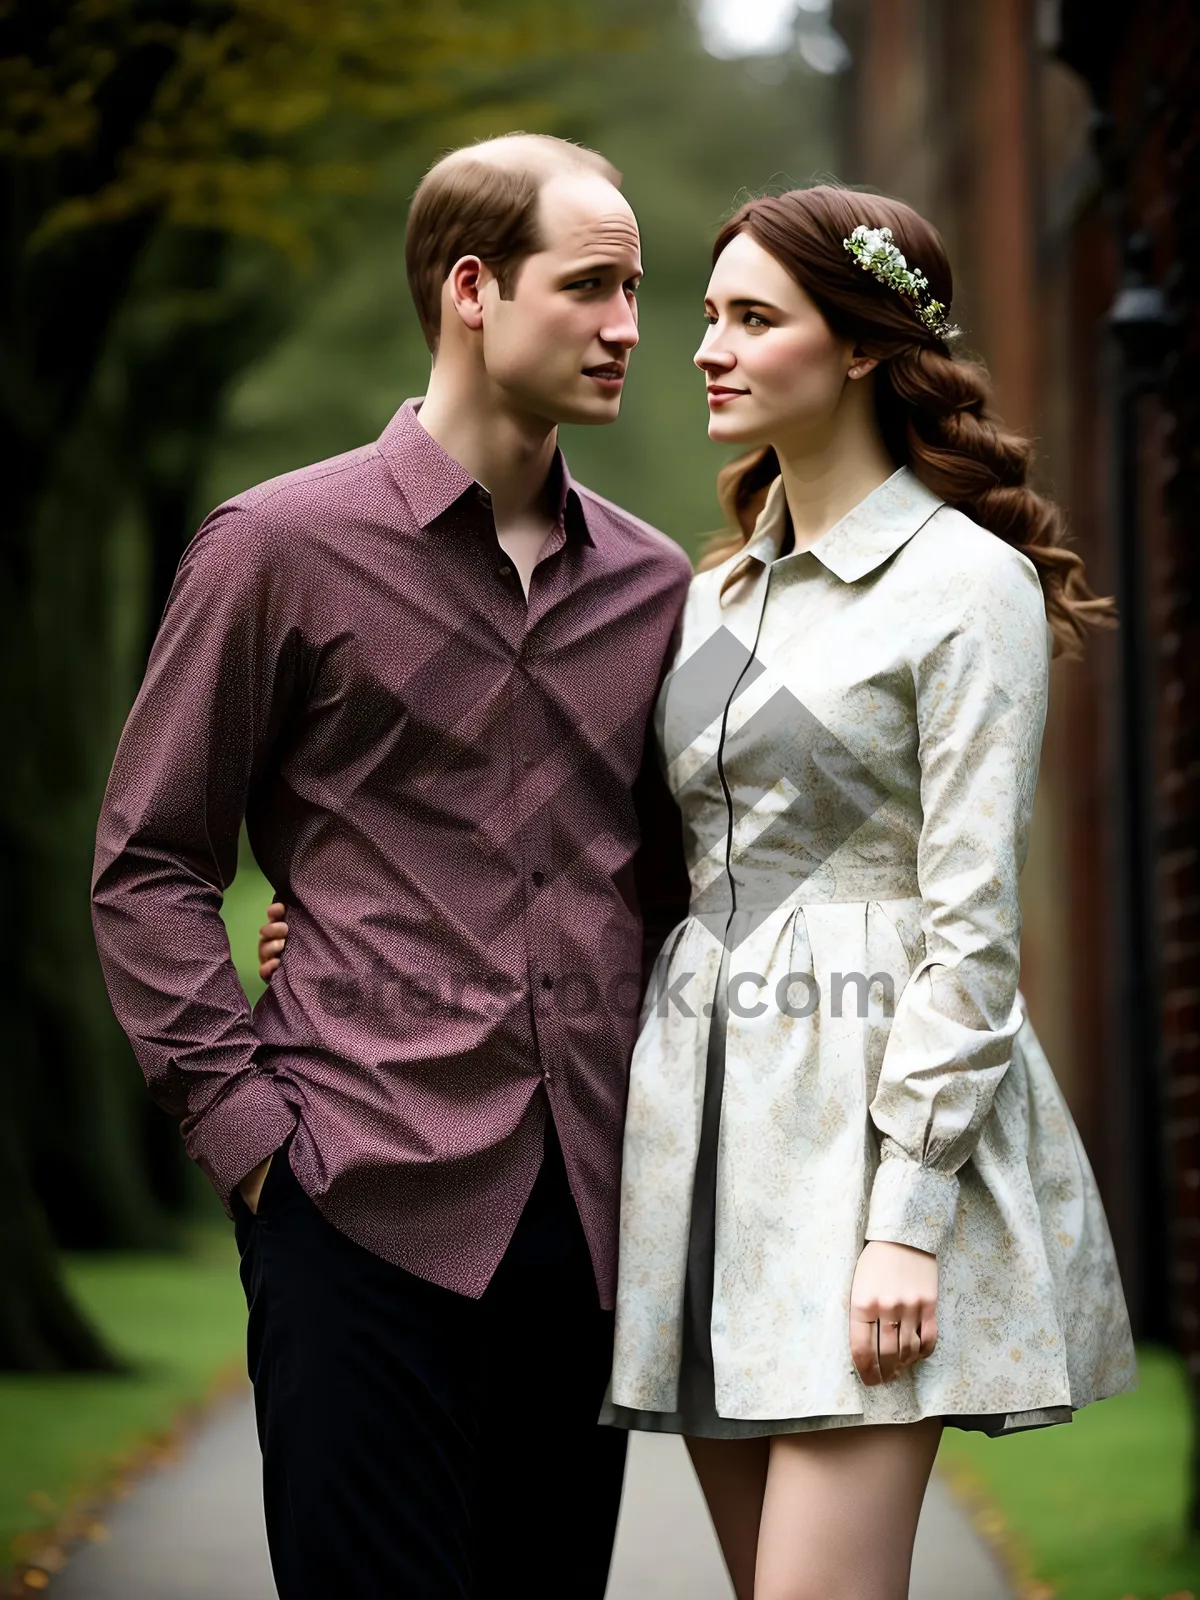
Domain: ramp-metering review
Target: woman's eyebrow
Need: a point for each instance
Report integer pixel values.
(743, 305)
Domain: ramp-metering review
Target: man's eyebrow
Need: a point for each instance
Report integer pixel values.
(595, 268)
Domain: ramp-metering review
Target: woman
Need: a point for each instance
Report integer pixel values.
(854, 1205)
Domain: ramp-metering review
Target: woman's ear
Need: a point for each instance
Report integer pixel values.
(861, 364)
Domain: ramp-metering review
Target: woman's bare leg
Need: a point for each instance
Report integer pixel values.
(840, 1511)
(733, 1476)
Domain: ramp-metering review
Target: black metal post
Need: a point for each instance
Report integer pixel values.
(1141, 324)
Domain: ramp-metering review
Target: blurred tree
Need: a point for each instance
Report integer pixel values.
(162, 162)
(691, 133)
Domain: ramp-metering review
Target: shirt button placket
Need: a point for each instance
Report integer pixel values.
(537, 852)
(505, 569)
(545, 1033)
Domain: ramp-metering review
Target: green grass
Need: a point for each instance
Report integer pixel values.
(1095, 1509)
(1090, 1511)
(180, 1321)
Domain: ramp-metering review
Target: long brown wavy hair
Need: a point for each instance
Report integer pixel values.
(934, 411)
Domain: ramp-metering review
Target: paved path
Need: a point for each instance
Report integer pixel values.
(193, 1531)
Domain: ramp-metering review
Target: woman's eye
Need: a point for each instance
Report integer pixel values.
(753, 320)
(709, 318)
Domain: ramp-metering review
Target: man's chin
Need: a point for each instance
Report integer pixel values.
(594, 415)
(587, 407)
(575, 408)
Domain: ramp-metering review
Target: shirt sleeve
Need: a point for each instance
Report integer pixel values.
(981, 706)
(215, 689)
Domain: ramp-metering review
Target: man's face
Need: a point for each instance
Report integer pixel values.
(559, 348)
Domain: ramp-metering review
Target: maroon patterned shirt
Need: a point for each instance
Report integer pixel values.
(457, 796)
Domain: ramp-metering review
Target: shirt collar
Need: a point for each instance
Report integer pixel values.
(863, 539)
(431, 481)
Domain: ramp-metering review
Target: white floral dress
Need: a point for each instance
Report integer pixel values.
(852, 733)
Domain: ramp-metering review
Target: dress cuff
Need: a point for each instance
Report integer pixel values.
(912, 1204)
(244, 1127)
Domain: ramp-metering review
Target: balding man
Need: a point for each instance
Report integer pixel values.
(423, 673)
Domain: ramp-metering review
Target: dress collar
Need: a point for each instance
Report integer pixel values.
(431, 481)
(860, 541)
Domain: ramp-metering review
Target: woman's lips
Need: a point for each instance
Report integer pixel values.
(718, 396)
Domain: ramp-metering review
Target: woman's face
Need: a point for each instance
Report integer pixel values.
(776, 372)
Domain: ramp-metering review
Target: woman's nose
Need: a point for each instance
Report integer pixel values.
(709, 358)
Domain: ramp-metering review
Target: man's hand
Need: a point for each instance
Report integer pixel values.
(893, 1309)
(272, 937)
(251, 1185)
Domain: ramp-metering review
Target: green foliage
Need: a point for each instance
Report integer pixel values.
(253, 110)
(244, 912)
(168, 164)
(691, 134)
(172, 163)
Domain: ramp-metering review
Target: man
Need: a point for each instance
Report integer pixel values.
(423, 672)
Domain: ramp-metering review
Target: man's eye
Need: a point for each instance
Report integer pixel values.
(585, 283)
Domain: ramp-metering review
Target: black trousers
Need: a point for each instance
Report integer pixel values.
(417, 1444)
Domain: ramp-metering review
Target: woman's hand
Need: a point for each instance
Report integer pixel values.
(893, 1309)
(272, 937)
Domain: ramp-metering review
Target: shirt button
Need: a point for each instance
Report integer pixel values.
(505, 571)
(539, 878)
(547, 981)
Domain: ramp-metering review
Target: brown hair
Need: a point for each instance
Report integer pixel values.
(934, 411)
(482, 201)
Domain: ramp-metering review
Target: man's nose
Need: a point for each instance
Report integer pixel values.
(622, 328)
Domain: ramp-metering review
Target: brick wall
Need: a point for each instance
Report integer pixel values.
(1169, 198)
(984, 117)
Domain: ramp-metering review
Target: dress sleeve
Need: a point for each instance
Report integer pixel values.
(981, 694)
(216, 686)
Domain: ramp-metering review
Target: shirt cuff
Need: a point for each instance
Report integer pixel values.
(244, 1127)
(912, 1204)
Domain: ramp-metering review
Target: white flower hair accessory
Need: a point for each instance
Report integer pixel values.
(876, 253)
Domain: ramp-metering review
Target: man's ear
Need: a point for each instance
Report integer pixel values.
(464, 288)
